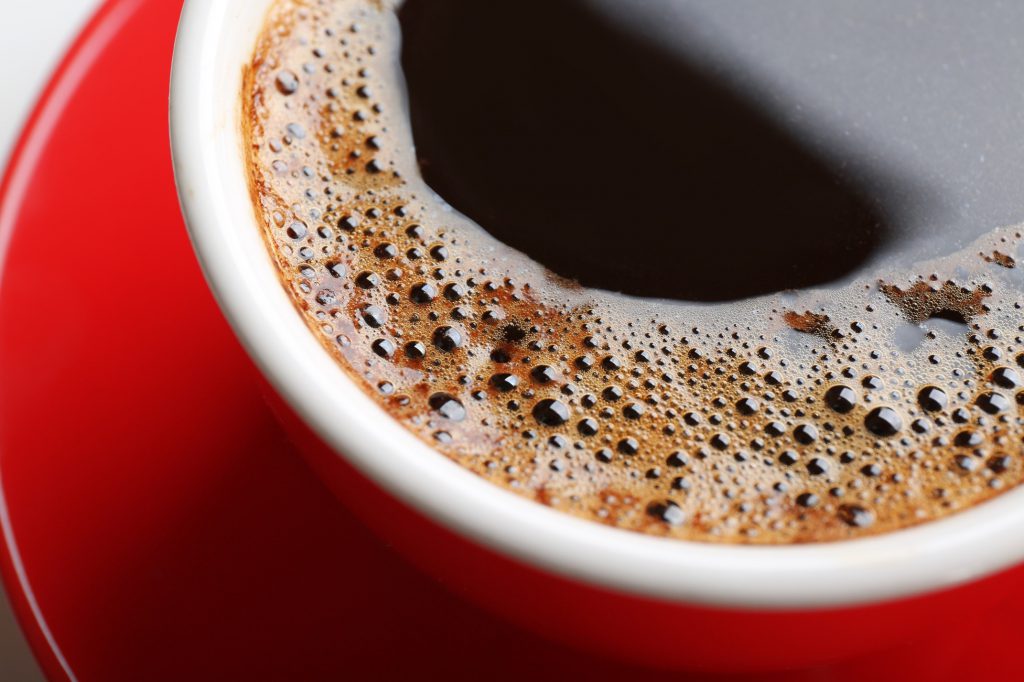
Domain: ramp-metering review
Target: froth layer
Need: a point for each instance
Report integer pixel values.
(810, 416)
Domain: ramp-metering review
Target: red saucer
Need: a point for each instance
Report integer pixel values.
(156, 524)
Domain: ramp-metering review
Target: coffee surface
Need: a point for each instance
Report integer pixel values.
(577, 144)
(809, 415)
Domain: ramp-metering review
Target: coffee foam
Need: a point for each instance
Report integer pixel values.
(808, 416)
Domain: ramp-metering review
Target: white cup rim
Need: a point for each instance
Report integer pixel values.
(215, 39)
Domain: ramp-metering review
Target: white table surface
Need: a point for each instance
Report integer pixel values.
(33, 35)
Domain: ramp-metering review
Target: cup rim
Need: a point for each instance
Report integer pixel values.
(215, 40)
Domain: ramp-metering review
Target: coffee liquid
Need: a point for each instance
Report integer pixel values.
(609, 161)
(808, 415)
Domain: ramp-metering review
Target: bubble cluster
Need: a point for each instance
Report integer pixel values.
(805, 416)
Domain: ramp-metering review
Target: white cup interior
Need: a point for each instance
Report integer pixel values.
(215, 40)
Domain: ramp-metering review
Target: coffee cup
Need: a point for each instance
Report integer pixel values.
(651, 600)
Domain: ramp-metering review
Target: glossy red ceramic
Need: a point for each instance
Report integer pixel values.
(157, 524)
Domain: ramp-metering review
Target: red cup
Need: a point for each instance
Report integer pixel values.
(651, 600)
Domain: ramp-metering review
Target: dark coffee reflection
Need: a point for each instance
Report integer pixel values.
(616, 164)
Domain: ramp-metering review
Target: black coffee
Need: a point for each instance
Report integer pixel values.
(614, 162)
(799, 416)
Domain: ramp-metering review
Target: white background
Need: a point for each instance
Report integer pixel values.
(33, 35)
